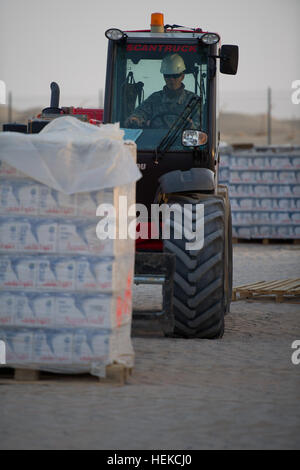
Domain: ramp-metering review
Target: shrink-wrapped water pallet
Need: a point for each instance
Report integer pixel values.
(65, 294)
(264, 189)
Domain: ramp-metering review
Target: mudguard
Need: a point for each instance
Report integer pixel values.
(195, 179)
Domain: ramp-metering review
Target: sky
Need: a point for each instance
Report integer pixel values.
(63, 41)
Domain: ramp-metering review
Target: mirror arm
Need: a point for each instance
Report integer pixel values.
(223, 57)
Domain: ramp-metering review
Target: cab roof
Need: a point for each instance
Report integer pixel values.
(172, 34)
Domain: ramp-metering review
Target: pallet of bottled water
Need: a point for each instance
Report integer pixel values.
(65, 294)
(264, 188)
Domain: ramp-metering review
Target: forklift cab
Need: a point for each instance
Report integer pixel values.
(138, 77)
(167, 143)
(134, 74)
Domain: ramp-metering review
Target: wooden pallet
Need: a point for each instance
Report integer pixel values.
(266, 241)
(281, 290)
(116, 374)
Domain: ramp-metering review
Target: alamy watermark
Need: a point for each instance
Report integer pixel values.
(2, 352)
(296, 354)
(2, 92)
(177, 221)
(296, 94)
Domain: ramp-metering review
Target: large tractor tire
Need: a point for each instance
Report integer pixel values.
(229, 262)
(223, 191)
(202, 278)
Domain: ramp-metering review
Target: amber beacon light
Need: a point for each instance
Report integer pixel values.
(157, 23)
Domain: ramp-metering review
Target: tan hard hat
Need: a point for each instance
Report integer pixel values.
(172, 64)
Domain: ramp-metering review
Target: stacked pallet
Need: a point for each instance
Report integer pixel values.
(264, 191)
(285, 289)
(65, 295)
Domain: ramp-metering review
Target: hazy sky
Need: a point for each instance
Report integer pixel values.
(63, 40)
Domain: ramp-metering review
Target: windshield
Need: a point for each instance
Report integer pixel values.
(152, 85)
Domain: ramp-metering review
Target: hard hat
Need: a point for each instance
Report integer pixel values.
(172, 64)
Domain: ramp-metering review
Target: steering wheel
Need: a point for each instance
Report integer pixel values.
(162, 117)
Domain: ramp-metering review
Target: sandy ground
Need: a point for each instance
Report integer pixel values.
(239, 392)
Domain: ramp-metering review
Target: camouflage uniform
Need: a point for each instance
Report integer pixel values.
(168, 103)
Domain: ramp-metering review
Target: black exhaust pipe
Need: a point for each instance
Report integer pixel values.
(54, 101)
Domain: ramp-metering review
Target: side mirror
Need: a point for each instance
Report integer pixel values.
(229, 59)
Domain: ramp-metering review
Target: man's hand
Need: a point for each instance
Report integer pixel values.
(133, 122)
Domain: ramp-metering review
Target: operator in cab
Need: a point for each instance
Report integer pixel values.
(163, 107)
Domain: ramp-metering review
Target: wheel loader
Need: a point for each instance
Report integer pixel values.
(177, 140)
(178, 154)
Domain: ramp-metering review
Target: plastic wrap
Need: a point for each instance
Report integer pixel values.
(71, 156)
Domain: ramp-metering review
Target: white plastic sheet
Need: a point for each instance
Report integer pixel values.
(72, 156)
